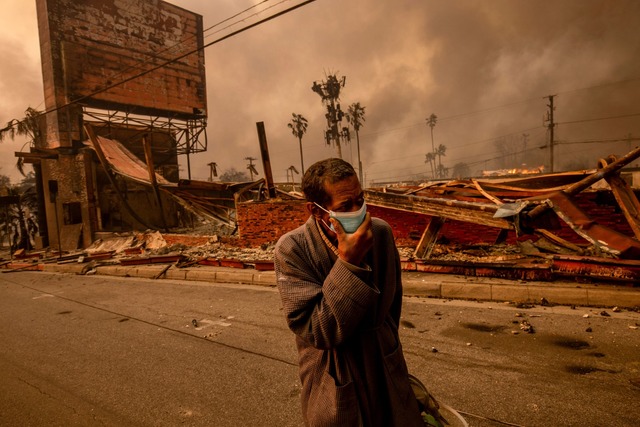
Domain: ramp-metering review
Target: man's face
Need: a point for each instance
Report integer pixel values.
(344, 196)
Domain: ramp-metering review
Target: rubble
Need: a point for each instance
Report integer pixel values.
(508, 205)
(526, 327)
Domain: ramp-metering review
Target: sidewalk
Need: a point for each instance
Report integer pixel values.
(426, 285)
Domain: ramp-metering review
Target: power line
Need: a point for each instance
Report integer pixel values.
(600, 141)
(456, 116)
(470, 113)
(499, 107)
(600, 118)
(243, 19)
(184, 55)
(152, 60)
(633, 79)
(497, 137)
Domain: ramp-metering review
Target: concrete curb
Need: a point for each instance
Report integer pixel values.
(554, 293)
(426, 285)
(203, 274)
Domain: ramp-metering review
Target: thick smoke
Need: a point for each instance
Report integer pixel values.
(484, 68)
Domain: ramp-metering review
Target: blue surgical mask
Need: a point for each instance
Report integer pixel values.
(350, 221)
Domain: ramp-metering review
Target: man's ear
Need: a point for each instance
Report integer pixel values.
(312, 209)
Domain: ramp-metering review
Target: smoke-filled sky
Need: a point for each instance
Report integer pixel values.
(484, 67)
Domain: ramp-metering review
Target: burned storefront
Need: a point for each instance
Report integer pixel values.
(125, 95)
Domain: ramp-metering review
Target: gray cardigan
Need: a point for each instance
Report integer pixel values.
(345, 319)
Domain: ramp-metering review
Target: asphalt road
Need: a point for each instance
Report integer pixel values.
(99, 350)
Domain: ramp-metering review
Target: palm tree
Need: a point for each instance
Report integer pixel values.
(21, 215)
(355, 117)
(430, 158)
(32, 127)
(431, 122)
(29, 127)
(440, 151)
(298, 126)
(442, 171)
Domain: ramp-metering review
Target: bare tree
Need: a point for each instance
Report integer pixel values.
(508, 147)
(298, 126)
(461, 170)
(233, 175)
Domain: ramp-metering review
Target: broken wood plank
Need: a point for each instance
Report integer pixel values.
(152, 177)
(600, 236)
(21, 268)
(627, 201)
(587, 182)
(485, 194)
(502, 237)
(559, 240)
(163, 271)
(192, 262)
(95, 144)
(429, 238)
(153, 259)
(596, 268)
(473, 212)
(549, 246)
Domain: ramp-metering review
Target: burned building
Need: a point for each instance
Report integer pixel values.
(125, 95)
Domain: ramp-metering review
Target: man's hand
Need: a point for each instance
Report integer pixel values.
(353, 247)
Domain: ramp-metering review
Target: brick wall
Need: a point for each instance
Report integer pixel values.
(265, 222)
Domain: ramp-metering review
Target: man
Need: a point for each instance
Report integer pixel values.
(340, 284)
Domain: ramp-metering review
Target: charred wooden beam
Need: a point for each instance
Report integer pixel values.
(559, 240)
(486, 194)
(596, 268)
(587, 182)
(146, 144)
(627, 201)
(429, 238)
(600, 236)
(95, 143)
(473, 212)
(240, 195)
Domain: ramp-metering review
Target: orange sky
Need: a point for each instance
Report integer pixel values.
(483, 67)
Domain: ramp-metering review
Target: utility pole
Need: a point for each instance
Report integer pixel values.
(551, 127)
(251, 167)
(329, 91)
(525, 139)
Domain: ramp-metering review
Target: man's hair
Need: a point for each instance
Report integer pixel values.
(328, 170)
